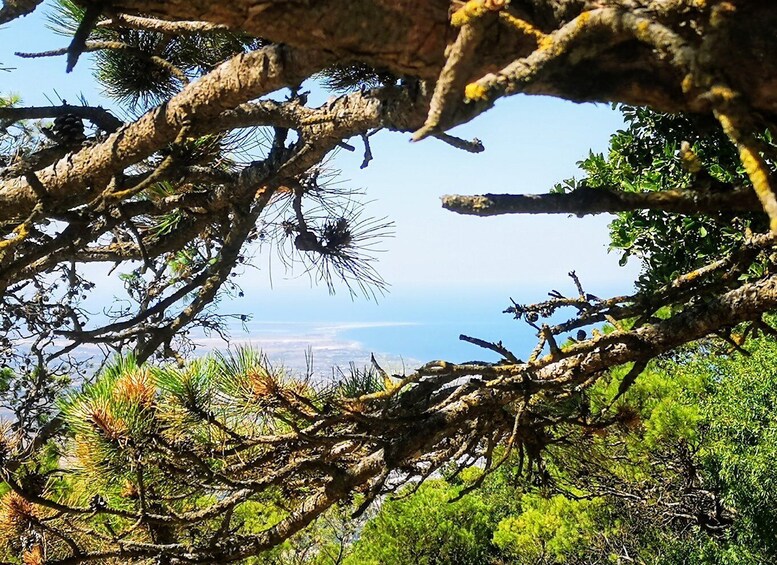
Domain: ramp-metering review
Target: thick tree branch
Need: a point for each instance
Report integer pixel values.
(585, 201)
(73, 180)
(643, 55)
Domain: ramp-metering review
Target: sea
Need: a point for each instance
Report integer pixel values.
(403, 330)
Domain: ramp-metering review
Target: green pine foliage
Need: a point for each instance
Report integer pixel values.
(144, 68)
(136, 428)
(740, 421)
(350, 77)
(552, 529)
(134, 436)
(427, 528)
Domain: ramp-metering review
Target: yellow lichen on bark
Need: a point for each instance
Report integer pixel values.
(756, 168)
(522, 26)
(643, 30)
(19, 233)
(474, 9)
(690, 160)
(470, 11)
(550, 43)
(723, 95)
(583, 19)
(474, 92)
(759, 175)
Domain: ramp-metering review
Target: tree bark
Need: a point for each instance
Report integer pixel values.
(588, 201)
(730, 43)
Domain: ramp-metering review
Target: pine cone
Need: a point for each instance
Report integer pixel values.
(307, 241)
(68, 129)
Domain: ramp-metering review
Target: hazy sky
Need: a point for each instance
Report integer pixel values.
(531, 143)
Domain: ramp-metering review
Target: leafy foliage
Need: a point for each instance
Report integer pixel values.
(659, 152)
(427, 528)
(700, 427)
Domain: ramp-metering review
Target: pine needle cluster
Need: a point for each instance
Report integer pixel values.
(142, 68)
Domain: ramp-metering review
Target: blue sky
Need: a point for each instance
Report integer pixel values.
(445, 269)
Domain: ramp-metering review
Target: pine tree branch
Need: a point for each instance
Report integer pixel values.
(586, 201)
(98, 115)
(126, 21)
(13, 9)
(447, 423)
(72, 180)
(90, 46)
